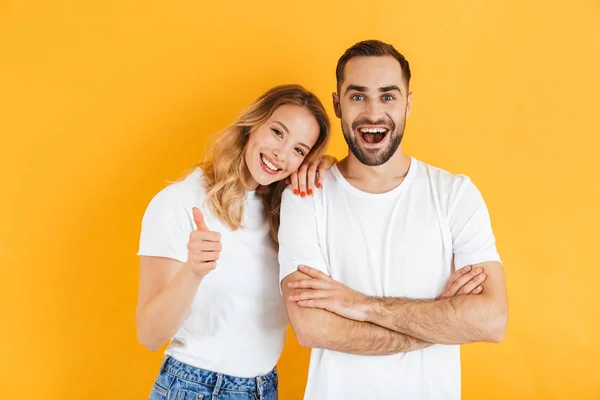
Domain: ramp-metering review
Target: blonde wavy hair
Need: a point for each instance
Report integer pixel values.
(225, 170)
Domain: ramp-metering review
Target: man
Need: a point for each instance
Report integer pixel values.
(366, 264)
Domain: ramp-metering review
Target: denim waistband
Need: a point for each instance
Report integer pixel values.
(218, 380)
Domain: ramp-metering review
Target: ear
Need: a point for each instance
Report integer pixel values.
(408, 104)
(336, 105)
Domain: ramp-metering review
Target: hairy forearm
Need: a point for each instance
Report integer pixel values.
(322, 329)
(316, 328)
(455, 320)
(159, 319)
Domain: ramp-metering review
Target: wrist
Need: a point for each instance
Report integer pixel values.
(191, 273)
(368, 306)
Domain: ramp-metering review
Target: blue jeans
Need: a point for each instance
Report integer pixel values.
(179, 381)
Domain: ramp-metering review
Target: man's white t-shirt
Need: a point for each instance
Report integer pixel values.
(237, 320)
(396, 244)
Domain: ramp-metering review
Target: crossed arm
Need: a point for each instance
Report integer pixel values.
(326, 314)
(450, 320)
(319, 328)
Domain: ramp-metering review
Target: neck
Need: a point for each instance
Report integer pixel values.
(375, 179)
(251, 186)
(249, 183)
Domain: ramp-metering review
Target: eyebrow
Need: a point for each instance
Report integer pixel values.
(364, 89)
(283, 126)
(287, 131)
(390, 88)
(356, 88)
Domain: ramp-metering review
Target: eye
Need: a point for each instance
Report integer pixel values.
(357, 97)
(277, 132)
(387, 97)
(299, 151)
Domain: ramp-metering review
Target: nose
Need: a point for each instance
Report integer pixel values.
(373, 110)
(279, 154)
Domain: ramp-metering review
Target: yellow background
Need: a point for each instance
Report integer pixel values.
(101, 102)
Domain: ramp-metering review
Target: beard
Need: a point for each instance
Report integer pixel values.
(374, 157)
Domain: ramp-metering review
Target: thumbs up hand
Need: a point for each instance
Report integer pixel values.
(204, 247)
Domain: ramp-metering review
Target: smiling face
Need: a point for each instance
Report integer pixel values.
(277, 148)
(373, 104)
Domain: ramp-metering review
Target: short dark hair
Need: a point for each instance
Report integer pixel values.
(371, 48)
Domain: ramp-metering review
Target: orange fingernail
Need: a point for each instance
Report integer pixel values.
(310, 192)
(302, 194)
(319, 185)
(295, 191)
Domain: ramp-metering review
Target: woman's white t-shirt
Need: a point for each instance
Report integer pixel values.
(237, 321)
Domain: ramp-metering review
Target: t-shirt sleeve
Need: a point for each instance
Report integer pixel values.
(166, 226)
(473, 241)
(298, 235)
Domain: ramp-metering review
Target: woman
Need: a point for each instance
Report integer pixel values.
(208, 253)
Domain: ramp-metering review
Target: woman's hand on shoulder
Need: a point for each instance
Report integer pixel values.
(309, 176)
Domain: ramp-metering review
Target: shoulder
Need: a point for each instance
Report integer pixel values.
(173, 204)
(445, 183)
(189, 191)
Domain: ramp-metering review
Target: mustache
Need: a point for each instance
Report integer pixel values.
(381, 122)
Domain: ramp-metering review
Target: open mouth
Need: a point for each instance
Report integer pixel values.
(268, 165)
(373, 135)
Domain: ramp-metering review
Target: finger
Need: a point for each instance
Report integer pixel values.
(205, 245)
(302, 172)
(326, 163)
(209, 236)
(314, 273)
(310, 294)
(204, 268)
(294, 180)
(477, 290)
(452, 281)
(472, 284)
(310, 284)
(288, 180)
(210, 265)
(204, 256)
(462, 281)
(450, 290)
(310, 179)
(464, 270)
(313, 303)
(320, 177)
(199, 219)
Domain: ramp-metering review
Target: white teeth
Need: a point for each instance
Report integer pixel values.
(373, 130)
(268, 164)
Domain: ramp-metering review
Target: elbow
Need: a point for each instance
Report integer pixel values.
(496, 329)
(148, 342)
(146, 338)
(309, 330)
(151, 346)
(307, 336)
(307, 340)
(308, 325)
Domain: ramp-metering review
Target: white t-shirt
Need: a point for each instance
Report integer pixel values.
(237, 320)
(397, 244)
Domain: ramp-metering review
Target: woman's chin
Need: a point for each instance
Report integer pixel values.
(264, 179)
